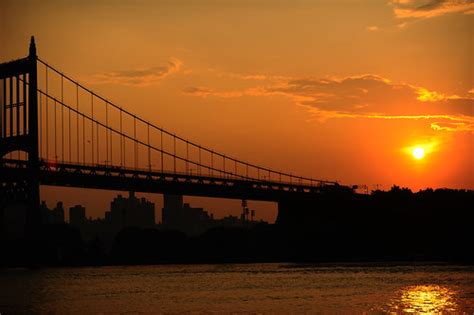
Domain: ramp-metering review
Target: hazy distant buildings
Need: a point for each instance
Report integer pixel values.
(180, 216)
(138, 212)
(124, 212)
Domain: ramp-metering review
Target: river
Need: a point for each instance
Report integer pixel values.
(239, 288)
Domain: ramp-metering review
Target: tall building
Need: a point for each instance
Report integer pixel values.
(53, 216)
(77, 215)
(131, 211)
(57, 214)
(170, 215)
(181, 216)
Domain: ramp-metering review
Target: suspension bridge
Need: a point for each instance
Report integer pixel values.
(56, 131)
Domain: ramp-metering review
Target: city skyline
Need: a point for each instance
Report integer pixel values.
(102, 212)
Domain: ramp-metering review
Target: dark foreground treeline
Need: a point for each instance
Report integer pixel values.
(338, 226)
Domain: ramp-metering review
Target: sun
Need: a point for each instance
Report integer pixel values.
(418, 153)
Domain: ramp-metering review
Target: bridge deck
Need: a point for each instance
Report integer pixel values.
(118, 178)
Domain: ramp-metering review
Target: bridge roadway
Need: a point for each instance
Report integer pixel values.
(140, 180)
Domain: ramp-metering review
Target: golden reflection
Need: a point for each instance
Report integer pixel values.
(425, 299)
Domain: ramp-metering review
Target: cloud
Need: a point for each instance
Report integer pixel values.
(205, 92)
(372, 28)
(420, 9)
(453, 126)
(364, 96)
(139, 77)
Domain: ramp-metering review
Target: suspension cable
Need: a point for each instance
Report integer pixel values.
(94, 121)
(300, 178)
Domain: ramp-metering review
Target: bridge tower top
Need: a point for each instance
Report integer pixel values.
(32, 47)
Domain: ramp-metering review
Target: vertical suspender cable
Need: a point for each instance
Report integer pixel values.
(121, 140)
(199, 168)
(212, 163)
(70, 137)
(77, 121)
(106, 134)
(17, 106)
(62, 120)
(10, 103)
(47, 117)
(83, 139)
(187, 157)
(98, 139)
(25, 122)
(11, 106)
(111, 141)
(124, 139)
(4, 110)
(174, 153)
(135, 144)
(149, 147)
(92, 131)
(55, 133)
(161, 150)
(40, 125)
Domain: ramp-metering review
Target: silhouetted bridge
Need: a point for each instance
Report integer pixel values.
(55, 131)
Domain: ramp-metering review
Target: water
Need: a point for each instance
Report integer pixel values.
(255, 288)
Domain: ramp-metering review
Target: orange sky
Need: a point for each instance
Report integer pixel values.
(330, 89)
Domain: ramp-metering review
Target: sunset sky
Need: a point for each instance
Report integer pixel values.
(340, 90)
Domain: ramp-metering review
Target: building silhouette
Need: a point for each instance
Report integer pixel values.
(53, 216)
(124, 212)
(77, 215)
(131, 211)
(177, 215)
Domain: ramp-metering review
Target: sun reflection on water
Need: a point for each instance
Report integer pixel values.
(425, 299)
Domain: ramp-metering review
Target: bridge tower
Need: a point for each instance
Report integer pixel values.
(19, 137)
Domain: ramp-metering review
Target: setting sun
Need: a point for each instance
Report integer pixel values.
(418, 153)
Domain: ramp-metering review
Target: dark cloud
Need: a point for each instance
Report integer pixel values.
(368, 96)
(430, 8)
(140, 77)
(373, 94)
